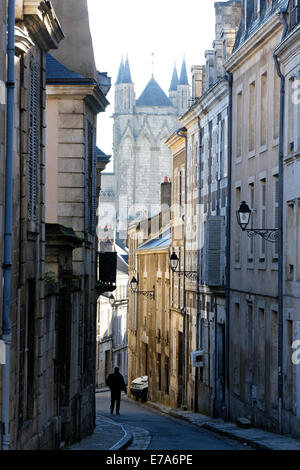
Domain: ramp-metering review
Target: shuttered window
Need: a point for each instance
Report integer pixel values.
(90, 178)
(33, 139)
(276, 211)
(214, 250)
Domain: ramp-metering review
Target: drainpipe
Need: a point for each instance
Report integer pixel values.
(280, 224)
(182, 133)
(10, 85)
(228, 251)
(198, 266)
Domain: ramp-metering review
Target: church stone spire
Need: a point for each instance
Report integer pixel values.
(173, 87)
(174, 80)
(124, 89)
(183, 93)
(120, 73)
(126, 72)
(183, 74)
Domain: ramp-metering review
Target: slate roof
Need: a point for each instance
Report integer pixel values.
(183, 74)
(153, 95)
(101, 156)
(174, 81)
(254, 24)
(163, 242)
(57, 73)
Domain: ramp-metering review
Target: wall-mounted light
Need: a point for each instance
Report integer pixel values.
(174, 262)
(244, 214)
(146, 293)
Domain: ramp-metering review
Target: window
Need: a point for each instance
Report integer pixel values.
(33, 139)
(275, 211)
(291, 118)
(238, 231)
(239, 125)
(276, 105)
(252, 115)
(250, 352)
(236, 349)
(264, 110)
(251, 239)
(90, 177)
(274, 359)
(261, 367)
(159, 370)
(263, 189)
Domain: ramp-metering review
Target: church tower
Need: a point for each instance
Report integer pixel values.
(173, 87)
(124, 90)
(183, 90)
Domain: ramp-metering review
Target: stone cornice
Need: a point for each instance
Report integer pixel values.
(253, 43)
(206, 102)
(289, 46)
(42, 23)
(90, 93)
(23, 43)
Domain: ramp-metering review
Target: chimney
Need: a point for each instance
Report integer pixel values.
(197, 80)
(165, 193)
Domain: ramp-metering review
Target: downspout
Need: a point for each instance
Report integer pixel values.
(184, 342)
(280, 224)
(10, 85)
(198, 266)
(228, 251)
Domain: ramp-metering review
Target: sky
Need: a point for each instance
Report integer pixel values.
(170, 29)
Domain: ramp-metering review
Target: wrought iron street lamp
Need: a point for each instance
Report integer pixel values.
(146, 293)
(174, 261)
(112, 300)
(244, 214)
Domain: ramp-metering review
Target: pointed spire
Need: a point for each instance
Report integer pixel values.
(126, 72)
(121, 72)
(183, 74)
(174, 81)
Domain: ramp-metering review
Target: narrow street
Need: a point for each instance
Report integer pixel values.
(166, 433)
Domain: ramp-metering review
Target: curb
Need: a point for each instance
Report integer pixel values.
(210, 427)
(124, 442)
(231, 435)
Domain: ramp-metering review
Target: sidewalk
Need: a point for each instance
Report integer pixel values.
(107, 435)
(256, 438)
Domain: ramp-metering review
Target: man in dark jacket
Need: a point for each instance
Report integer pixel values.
(116, 384)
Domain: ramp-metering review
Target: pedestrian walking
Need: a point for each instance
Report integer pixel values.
(116, 384)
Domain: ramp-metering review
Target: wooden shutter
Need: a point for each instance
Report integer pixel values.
(94, 204)
(86, 175)
(34, 139)
(214, 250)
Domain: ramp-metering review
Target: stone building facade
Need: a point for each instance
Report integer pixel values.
(149, 323)
(141, 159)
(74, 98)
(30, 424)
(112, 325)
(202, 197)
(289, 60)
(50, 398)
(254, 315)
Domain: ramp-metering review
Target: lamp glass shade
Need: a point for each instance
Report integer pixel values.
(244, 215)
(111, 300)
(174, 261)
(134, 284)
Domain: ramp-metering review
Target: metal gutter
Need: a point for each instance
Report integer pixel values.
(280, 224)
(8, 212)
(183, 310)
(228, 251)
